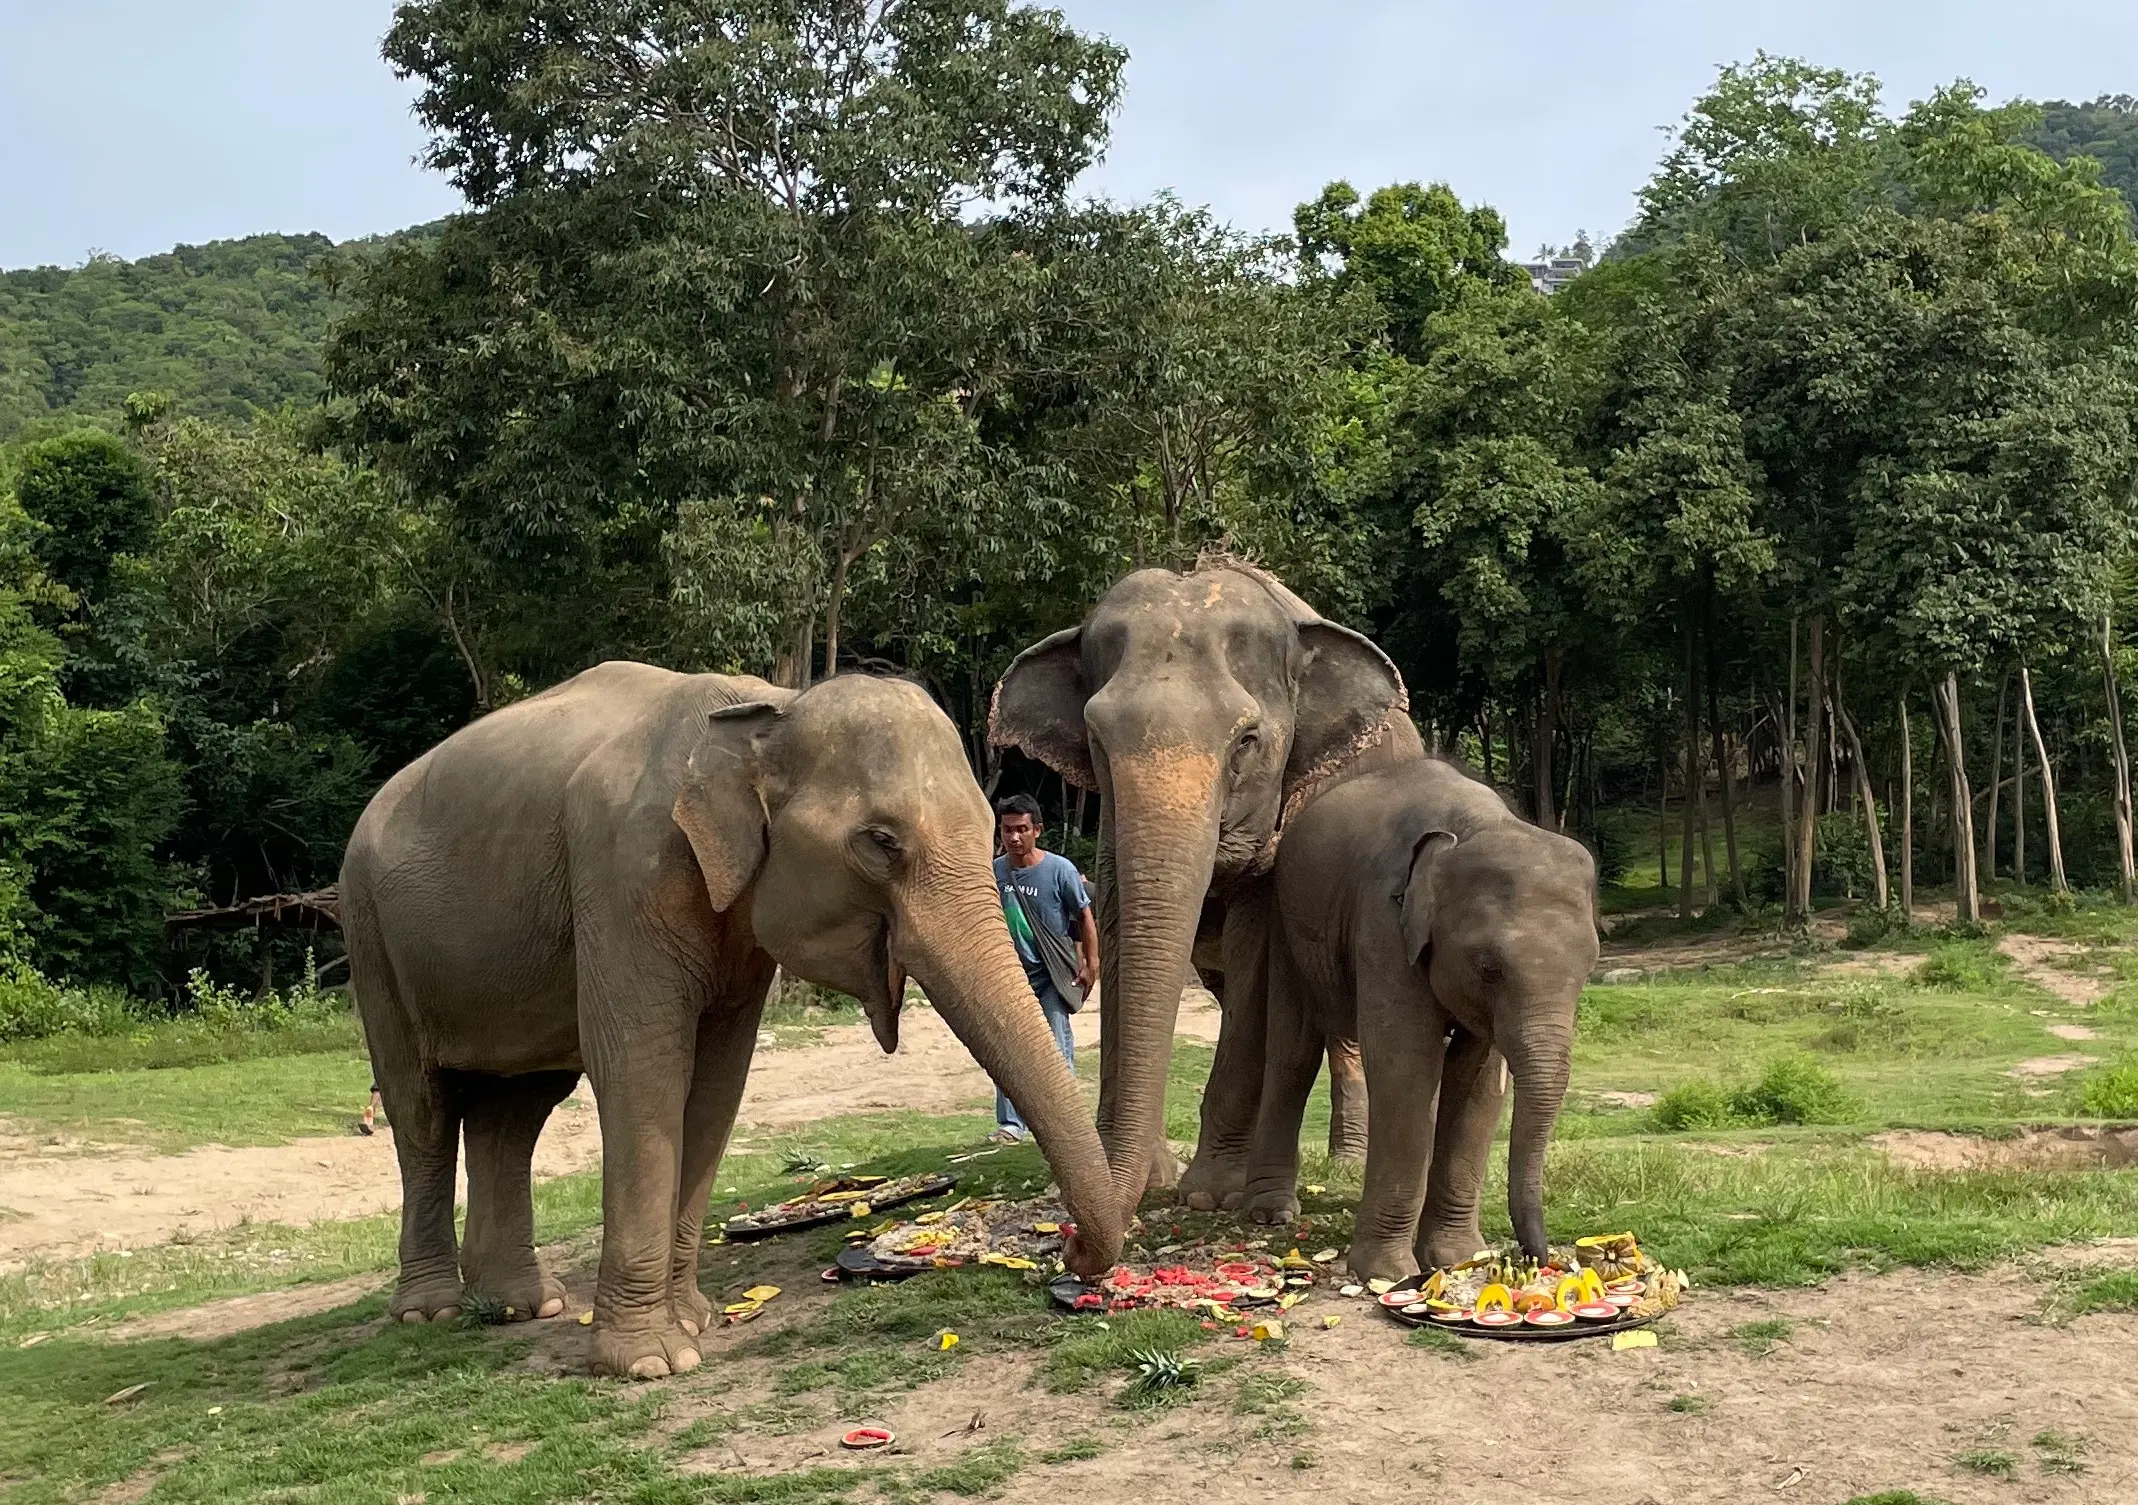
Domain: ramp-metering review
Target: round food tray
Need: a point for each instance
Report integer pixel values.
(856, 1263)
(739, 1231)
(1521, 1332)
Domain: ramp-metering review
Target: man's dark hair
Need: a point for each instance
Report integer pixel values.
(1019, 804)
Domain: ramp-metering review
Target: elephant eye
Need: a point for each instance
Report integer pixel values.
(884, 840)
(1243, 751)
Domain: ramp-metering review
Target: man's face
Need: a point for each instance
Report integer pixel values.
(1020, 834)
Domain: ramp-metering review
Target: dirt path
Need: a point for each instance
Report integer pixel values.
(2048, 965)
(59, 1205)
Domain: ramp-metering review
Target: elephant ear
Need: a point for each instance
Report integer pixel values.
(1039, 707)
(1348, 693)
(721, 806)
(1416, 900)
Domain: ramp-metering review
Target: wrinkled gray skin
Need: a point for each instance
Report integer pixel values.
(601, 879)
(1202, 707)
(1419, 912)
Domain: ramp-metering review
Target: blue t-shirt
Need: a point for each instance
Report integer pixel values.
(1053, 891)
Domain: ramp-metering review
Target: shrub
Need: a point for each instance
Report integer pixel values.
(32, 1007)
(2111, 1091)
(1792, 1090)
(222, 1007)
(1962, 967)
(1696, 1104)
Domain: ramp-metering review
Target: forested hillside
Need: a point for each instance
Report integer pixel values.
(1823, 481)
(227, 329)
(2106, 129)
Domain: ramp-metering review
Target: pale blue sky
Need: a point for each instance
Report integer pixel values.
(131, 125)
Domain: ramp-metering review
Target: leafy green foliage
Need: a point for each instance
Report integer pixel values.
(88, 496)
(229, 329)
(2110, 1091)
(1791, 1090)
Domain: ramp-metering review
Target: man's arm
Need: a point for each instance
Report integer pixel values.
(1087, 947)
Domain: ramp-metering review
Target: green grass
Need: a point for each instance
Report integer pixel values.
(1689, 1405)
(264, 1099)
(1075, 1450)
(181, 1042)
(1439, 1340)
(1895, 1497)
(1994, 1463)
(1762, 1338)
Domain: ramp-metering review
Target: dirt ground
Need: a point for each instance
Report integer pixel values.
(1881, 1382)
(75, 1200)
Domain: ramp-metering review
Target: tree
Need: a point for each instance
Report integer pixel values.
(720, 256)
(89, 498)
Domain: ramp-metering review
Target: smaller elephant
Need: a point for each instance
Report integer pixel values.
(1452, 938)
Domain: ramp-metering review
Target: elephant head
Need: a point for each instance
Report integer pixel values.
(1502, 921)
(1202, 707)
(847, 825)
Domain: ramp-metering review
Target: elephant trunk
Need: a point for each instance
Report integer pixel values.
(961, 954)
(1166, 831)
(1538, 1058)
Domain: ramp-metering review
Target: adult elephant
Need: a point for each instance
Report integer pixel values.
(1420, 913)
(602, 878)
(1206, 708)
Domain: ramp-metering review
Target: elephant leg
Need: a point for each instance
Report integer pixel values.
(424, 1109)
(726, 1042)
(1347, 1100)
(1404, 1056)
(1232, 1098)
(503, 1119)
(1291, 1060)
(1473, 1092)
(639, 1057)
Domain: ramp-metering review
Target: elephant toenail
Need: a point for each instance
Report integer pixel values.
(446, 1314)
(413, 1316)
(649, 1368)
(551, 1307)
(686, 1360)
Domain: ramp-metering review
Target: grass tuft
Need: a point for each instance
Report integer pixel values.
(1075, 1450)
(1792, 1090)
(1689, 1405)
(1087, 1348)
(1439, 1340)
(1994, 1463)
(1762, 1338)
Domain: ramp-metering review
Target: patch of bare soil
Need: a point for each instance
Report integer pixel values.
(2035, 1068)
(2058, 967)
(1881, 1382)
(56, 1201)
(238, 1314)
(2059, 1148)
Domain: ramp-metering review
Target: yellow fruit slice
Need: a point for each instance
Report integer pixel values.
(760, 1293)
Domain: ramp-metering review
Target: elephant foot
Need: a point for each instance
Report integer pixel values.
(1381, 1260)
(1213, 1183)
(643, 1352)
(694, 1314)
(430, 1298)
(525, 1292)
(1438, 1250)
(1279, 1206)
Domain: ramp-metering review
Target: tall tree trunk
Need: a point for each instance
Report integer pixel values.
(1687, 813)
(1722, 769)
(2121, 756)
(1541, 734)
(1786, 726)
(1484, 738)
(1711, 894)
(1989, 854)
(1967, 891)
(2048, 784)
(1907, 812)
(2019, 799)
(832, 606)
(1808, 816)
(1662, 819)
(1870, 803)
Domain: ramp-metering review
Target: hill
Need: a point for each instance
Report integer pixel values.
(227, 328)
(2107, 128)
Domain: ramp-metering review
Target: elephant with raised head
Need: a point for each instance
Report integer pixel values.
(1418, 912)
(1207, 709)
(602, 879)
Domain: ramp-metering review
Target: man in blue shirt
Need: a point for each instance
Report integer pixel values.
(1053, 895)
